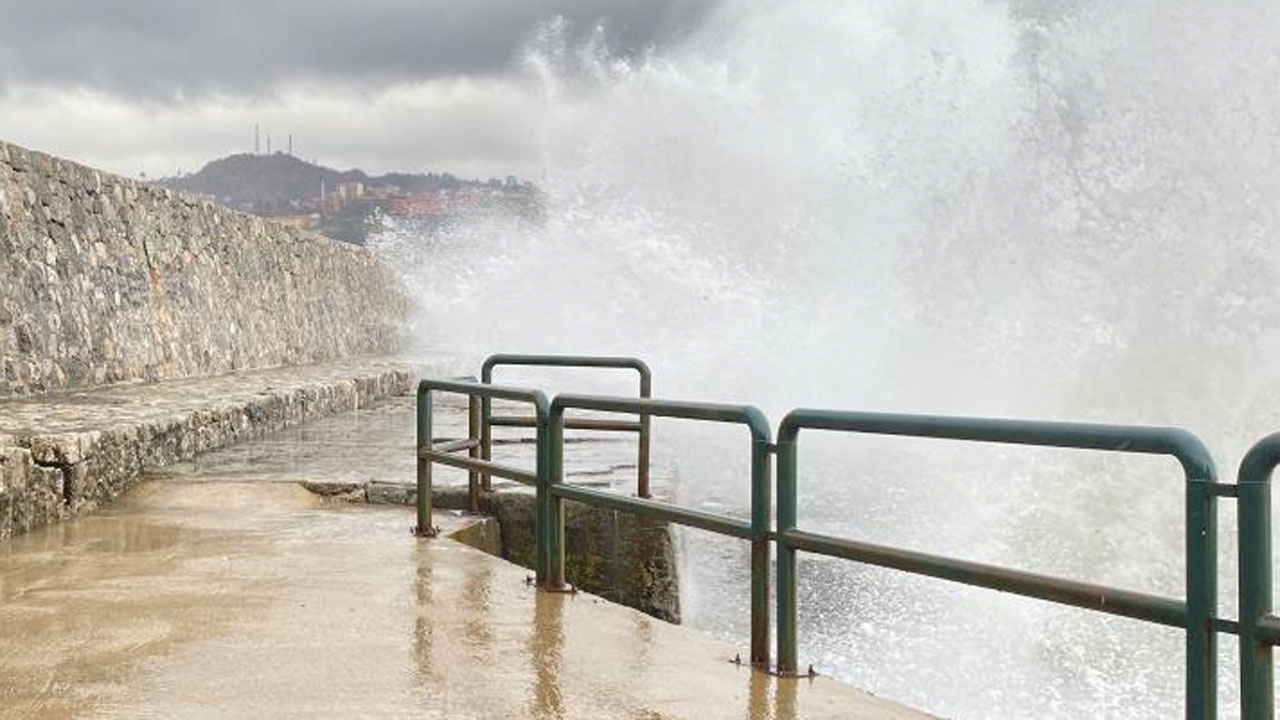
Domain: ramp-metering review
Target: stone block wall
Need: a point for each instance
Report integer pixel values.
(622, 557)
(104, 279)
(30, 495)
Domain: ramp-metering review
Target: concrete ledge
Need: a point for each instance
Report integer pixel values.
(61, 455)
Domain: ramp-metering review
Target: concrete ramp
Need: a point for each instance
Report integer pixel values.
(208, 599)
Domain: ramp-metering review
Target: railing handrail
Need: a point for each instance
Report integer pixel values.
(1175, 442)
(1197, 615)
(594, 361)
(500, 392)
(747, 415)
(621, 362)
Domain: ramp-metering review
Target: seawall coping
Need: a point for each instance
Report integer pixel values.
(68, 453)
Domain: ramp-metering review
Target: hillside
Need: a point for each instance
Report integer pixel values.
(349, 204)
(278, 182)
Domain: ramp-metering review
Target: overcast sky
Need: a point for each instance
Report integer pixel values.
(159, 86)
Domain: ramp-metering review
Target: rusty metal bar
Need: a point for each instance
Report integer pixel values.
(448, 446)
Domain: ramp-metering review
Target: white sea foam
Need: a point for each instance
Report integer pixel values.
(1045, 209)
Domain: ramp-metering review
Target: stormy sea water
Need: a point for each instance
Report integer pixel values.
(1059, 209)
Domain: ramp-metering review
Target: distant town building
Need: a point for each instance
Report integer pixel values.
(349, 191)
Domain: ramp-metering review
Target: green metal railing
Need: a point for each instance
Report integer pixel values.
(756, 531)
(641, 427)
(429, 452)
(1196, 614)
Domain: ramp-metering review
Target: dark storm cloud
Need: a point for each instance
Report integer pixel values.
(163, 49)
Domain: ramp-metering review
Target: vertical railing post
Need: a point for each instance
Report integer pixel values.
(552, 509)
(424, 527)
(1257, 689)
(786, 471)
(642, 462)
(1202, 599)
(761, 511)
(486, 427)
(473, 433)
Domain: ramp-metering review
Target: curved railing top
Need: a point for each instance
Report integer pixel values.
(1261, 459)
(748, 415)
(1176, 442)
(537, 398)
(597, 361)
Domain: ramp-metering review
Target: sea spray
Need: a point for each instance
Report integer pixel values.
(1034, 209)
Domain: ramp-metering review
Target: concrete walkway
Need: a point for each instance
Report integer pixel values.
(260, 600)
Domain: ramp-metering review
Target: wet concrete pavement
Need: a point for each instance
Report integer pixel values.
(261, 600)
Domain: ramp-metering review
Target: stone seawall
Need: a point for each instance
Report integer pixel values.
(104, 279)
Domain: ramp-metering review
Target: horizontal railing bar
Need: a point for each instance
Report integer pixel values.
(1128, 603)
(500, 392)
(1179, 443)
(656, 510)
(513, 420)
(467, 463)
(570, 423)
(455, 445)
(715, 412)
(1226, 625)
(1225, 489)
(602, 424)
(1269, 630)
